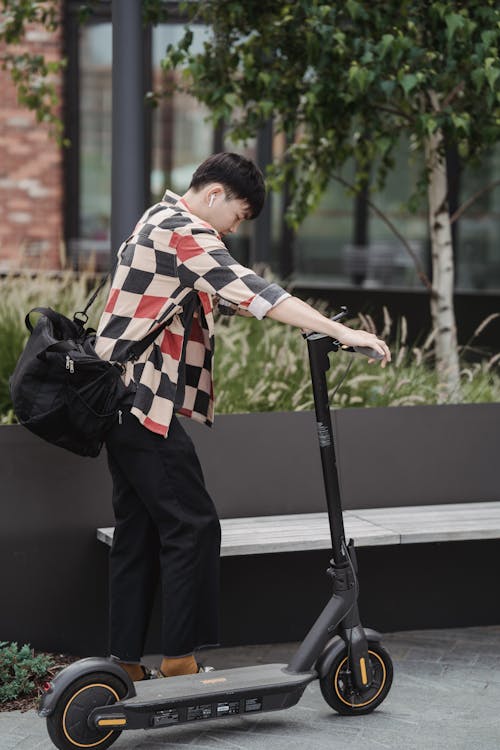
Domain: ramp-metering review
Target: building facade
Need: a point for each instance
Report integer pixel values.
(31, 175)
(56, 203)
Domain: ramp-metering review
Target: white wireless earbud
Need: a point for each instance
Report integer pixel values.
(211, 201)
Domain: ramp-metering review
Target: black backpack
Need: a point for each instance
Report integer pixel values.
(61, 389)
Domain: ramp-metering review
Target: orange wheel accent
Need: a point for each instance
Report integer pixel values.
(373, 697)
(73, 697)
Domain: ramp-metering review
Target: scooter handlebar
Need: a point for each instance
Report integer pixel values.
(367, 352)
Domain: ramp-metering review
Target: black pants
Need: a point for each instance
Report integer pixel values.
(166, 524)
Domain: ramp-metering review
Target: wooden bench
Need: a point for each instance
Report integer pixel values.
(407, 475)
(371, 527)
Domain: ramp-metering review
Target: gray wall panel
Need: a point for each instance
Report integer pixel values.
(419, 455)
(53, 572)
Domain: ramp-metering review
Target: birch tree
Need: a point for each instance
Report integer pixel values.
(344, 81)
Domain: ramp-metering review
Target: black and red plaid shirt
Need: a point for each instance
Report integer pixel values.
(172, 268)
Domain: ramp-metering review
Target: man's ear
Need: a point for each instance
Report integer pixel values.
(212, 192)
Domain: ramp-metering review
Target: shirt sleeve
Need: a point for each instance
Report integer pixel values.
(204, 264)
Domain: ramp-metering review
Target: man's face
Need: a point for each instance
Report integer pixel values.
(226, 214)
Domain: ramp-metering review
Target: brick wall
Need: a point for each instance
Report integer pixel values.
(31, 176)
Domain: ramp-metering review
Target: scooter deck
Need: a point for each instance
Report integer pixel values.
(262, 677)
(209, 695)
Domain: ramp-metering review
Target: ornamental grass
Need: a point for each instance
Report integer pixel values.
(263, 365)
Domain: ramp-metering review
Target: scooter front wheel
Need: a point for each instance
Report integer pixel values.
(344, 697)
(68, 725)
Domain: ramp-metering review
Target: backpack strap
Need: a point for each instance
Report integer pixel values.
(138, 347)
(82, 317)
(47, 311)
(135, 350)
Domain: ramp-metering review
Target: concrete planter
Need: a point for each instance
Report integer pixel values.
(53, 572)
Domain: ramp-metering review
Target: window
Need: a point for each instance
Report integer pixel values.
(327, 254)
(95, 137)
(478, 247)
(182, 138)
(344, 243)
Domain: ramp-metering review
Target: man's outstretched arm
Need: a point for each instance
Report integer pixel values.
(296, 312)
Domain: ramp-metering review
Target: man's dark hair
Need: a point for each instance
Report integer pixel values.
(241, 178)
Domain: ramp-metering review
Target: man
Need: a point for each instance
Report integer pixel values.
(175, 267)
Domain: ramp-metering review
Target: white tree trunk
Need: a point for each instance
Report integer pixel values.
(442, 310)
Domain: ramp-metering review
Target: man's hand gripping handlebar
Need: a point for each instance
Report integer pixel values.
(382, 354)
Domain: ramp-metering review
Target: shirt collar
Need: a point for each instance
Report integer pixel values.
(171, 197)
(174, 200)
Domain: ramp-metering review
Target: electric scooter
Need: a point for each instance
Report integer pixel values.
(89, 703)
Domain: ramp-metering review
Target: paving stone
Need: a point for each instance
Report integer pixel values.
(445, 696)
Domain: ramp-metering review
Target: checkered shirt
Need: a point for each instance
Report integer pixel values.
(175, 268)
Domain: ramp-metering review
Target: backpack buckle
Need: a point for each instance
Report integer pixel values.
(81, 318)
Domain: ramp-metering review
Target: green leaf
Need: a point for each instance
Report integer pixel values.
(385, 44)
(408, 82)
(430, 125)
(440, 8)
(359, 77)
(489, 38)
(388, 87)
(491, 71)
(384, 144)
(339, 37)
(354, 9)
(232, 100)
(492, 76)
(478, 76)
(267, 108)
(461, 123)
(454, 21)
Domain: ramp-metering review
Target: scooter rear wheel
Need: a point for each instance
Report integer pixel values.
(341, 694)
(68, 725)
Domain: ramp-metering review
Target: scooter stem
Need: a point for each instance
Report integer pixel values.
(319, 346)
(338, 607)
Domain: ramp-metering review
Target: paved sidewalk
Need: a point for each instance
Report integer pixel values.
(445, 696)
